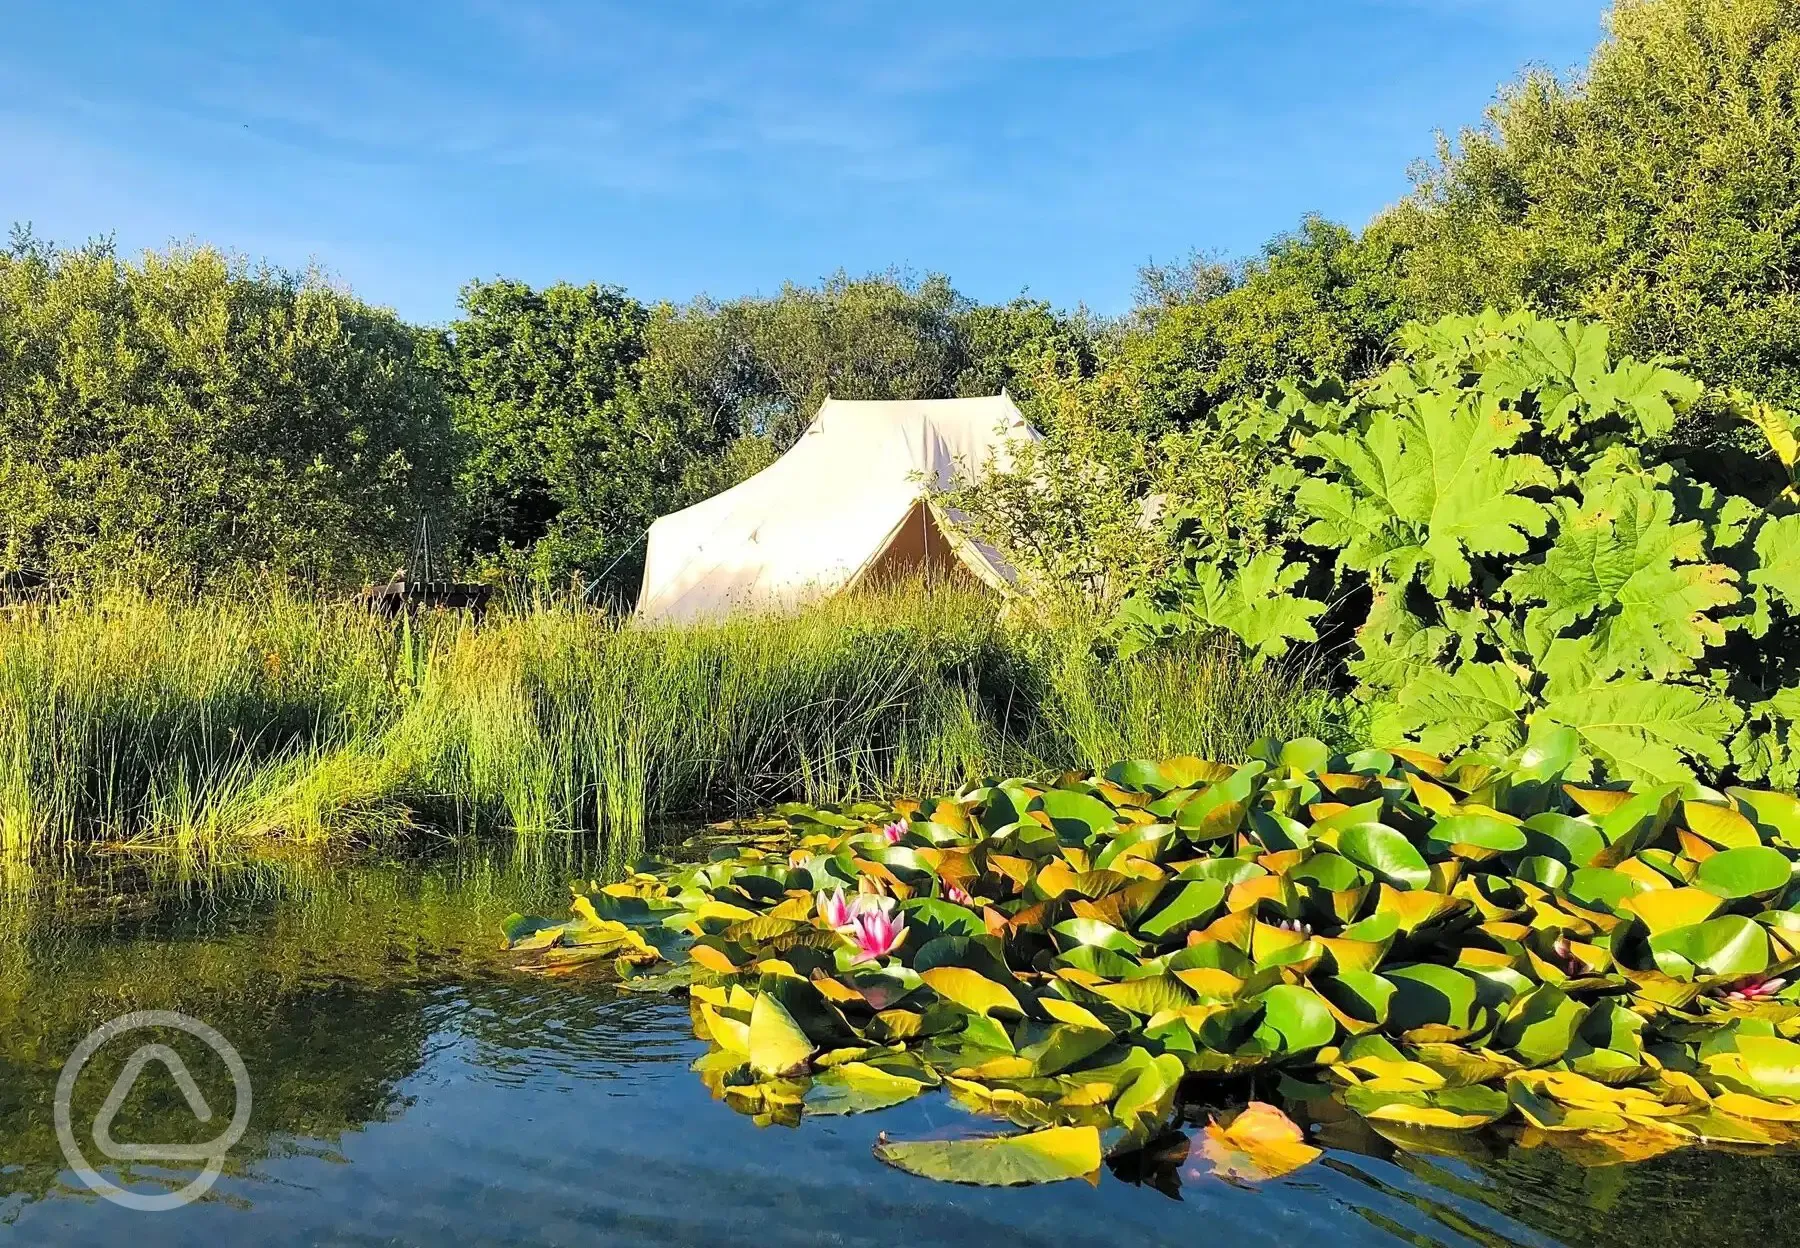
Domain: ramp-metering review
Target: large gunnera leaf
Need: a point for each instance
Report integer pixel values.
(1646, 730)
(1429, 485)
(1255, 603)
(1778, 559)
(1622, 562)
(1477, 704)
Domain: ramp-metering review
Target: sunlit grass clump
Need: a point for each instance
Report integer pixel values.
(199, 723)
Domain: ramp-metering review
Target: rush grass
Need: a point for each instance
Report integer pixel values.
(197, 724)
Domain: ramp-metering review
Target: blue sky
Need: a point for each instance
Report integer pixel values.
(680, 146)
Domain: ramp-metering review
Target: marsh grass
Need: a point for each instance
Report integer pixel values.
(196, 724)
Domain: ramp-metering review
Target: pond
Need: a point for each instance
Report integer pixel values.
(410, 1087)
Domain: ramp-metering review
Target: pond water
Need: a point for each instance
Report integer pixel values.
(410, 1088)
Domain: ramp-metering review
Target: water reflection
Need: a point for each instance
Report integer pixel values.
(410, 1087)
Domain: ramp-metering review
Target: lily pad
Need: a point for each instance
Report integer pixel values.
(1048, 1156)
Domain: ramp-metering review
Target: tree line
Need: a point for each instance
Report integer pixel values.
(187, 416)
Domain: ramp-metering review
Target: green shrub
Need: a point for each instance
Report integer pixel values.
(1501, 519)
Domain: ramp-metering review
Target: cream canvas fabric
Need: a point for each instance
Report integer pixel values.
(823, 516)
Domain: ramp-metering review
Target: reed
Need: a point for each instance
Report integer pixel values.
(195, 724)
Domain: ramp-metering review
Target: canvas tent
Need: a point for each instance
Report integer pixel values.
(847, 504)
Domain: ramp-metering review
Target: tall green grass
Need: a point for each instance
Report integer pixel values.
(194, 724)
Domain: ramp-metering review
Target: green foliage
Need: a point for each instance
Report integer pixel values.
(186, 417)
(1317, 301)
(569, 457)
(1531, 556)
(1651, 194)
(764, 365)
(1433, 945)
(1420, 488)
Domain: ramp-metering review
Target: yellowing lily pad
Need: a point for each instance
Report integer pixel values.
(1048, 1156)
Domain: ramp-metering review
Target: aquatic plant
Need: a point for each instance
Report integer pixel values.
(1430, 946)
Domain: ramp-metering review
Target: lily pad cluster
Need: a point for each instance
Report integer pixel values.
(1433, 946)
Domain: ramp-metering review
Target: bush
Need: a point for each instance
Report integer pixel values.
(187, 418)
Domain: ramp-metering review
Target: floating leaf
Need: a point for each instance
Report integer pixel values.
(1047, 1156)
(1259, 1144)
(1296, 1019)
(1731, 945)
(857, 1087)
(1753, 870)
(1074, 815)
(775, 1042)
(1387, 853)
(971, 990)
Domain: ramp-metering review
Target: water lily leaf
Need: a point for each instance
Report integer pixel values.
(1387, 853)
(1358, 996)
(1426, 995)
(1721, 825)
(1296, 1020)
(856, 1088)
(1150, 995)
(1064, 1046)
(1259, 1144)
(1058, 878)
(1188, 906)
(1575, 842)
(1729, 945)
(1207, 818)
(1328, 871)
(1666, 909)
(1227, 871)
(1539, 1027)
(971, 990)
(1139, 774)
(776, 1043)
(1452, 1109)
(1764, 1066)
(1145, 840)
(1601, 888)
(1634, 823)
(1077, 1016)
(1778, 812)
(524, 932)
(1146, 1103)
(1304, 754)
(1380, 1074)
(1094, 932)
(1076, 817)
(1751, 871)
(1742, 1105)
(1546, 1114)
(928, 918)
(1480, 831)
(1047, 1156)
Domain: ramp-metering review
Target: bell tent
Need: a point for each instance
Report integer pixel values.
(848, 504)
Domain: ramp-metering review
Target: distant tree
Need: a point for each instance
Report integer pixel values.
(570, 457)
(1656, 193)
(188, 417)
(1319, 300)
(766, 364)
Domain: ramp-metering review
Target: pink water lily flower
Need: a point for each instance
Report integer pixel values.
(1756, 990)
(961, 898)
(894, 831)
(834, 911)
(876, 930)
